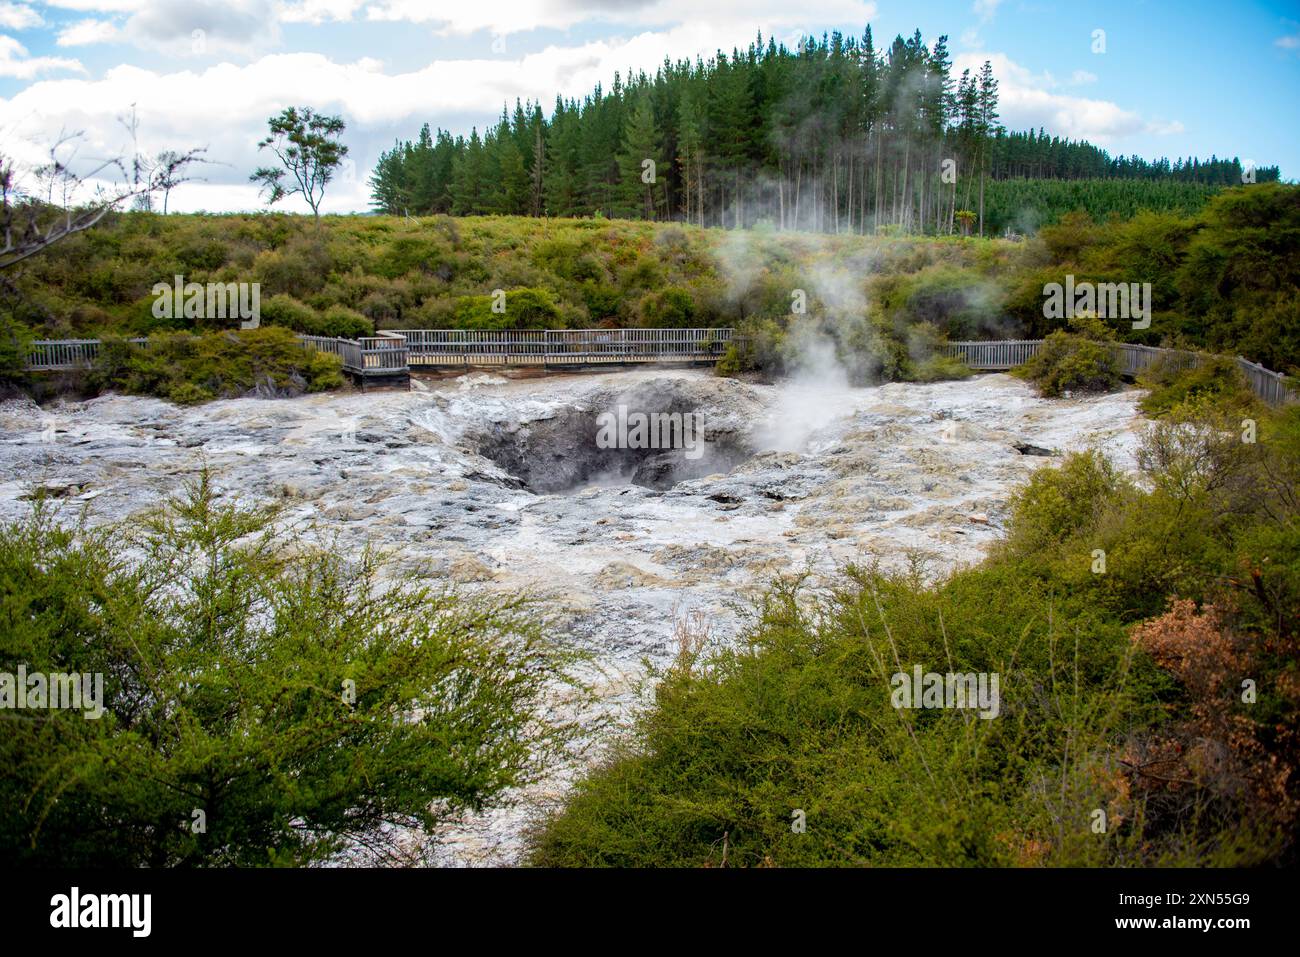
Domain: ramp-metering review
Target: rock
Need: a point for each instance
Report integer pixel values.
(466, 568)
(979, 518)
(1024, 448)
(350, 513)
(618, 575)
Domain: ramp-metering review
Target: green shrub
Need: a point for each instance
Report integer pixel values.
(407, 254)
(186, 368)
(15, 341)
(238, 664)
(1072, 363)
(602, 301)
(960, 304)
(298, 269)
(524, 309)
(1171, 384)
(202, 254)
(668, 309)
(926, 358)
(344, 323)
(1058, 502)
(938, 369)
(284, 310)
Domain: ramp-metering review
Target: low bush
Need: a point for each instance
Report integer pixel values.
(1171, 384)
(1068, 362)
(522, 309)
(186, 368)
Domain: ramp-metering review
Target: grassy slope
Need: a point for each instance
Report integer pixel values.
(1223, 279)
(419, 272)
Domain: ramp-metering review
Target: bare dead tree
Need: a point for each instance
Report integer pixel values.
(66, 202)
(168, 170)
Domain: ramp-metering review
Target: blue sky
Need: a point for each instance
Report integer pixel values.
(1175, 78)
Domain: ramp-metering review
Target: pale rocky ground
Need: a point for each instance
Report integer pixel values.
(837, 475)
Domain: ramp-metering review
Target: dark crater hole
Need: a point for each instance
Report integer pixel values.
(564, 452)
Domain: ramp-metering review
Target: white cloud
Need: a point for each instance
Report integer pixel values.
(1082, 77)
(1289, 42)
(18, 16)
(225, 106)
(237, 28)
(88, 32)
(320, 11)
(517, 16)
(14, 61)
(205, 27)
(985, 9)
(1026, 100)
(99, 6)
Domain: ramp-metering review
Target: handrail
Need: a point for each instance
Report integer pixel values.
(391, 352)
(997, 354)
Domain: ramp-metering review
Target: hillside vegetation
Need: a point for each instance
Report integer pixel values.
(1224, 279)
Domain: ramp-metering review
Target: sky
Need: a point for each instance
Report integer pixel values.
(1147, 77)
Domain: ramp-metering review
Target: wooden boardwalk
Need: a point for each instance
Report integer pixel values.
(1003, 354)
(563, 347)
(391, 355)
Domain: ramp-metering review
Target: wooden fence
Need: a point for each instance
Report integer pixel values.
(390, 353)
(557, 347)
(1131, 359)
(54, 355)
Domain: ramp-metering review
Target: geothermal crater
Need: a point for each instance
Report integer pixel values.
(654, 435)
(492, 484)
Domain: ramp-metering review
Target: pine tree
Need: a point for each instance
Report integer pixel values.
(690, 157)
(988, 123)
(830, 136)
(467, 186)
(640, 163)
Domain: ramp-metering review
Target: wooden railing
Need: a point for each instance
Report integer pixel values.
(1131, 359)
(389, 353)
(562, 346)
(995, 354)
(56, 355)
(384, 354)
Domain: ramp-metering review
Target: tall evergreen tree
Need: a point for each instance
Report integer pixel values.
(640, 163)
(835, 135)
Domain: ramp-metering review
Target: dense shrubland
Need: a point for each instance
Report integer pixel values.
(1148, 710)
(266, 700)
(186, 367)
(1224, 279)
